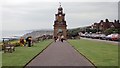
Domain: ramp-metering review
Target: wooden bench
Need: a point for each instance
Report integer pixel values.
(9, 48)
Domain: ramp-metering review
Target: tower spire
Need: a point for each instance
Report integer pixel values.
(60, 4)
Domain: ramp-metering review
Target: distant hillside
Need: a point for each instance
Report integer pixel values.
(38, 33)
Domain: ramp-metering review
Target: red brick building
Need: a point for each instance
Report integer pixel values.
(103, 25)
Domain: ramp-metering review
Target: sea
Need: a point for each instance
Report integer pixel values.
(13, 33)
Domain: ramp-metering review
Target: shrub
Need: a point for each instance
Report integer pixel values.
(112, 30)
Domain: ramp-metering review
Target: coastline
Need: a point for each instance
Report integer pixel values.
(25, 33)
(12, 33)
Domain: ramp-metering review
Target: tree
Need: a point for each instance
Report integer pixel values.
(112, 30)
(73, 32)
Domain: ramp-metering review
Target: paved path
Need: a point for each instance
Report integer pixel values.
(60, 54)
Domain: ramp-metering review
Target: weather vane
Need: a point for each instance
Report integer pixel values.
(60, 4)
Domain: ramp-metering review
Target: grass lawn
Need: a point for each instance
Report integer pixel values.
(22, 55)
(100, 53)
(0, 59)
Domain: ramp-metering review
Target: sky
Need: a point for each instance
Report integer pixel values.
(39, 14)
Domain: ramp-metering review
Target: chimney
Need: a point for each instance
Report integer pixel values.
(101, 21)
(115, 21)
(106, 20)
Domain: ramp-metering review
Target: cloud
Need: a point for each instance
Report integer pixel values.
(24, 15)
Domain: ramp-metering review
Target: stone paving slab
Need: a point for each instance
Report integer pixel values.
(60, 54)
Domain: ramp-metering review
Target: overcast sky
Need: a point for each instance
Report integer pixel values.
(35, 14)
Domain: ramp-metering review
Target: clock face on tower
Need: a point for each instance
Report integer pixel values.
(59, 11)
(60, 18)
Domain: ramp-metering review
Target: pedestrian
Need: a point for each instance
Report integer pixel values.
(59, 38)
(29, 41)
(62, 38)
(55, 38)
(22, 41)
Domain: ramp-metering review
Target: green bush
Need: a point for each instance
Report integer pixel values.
(17, 44)
(111, 30)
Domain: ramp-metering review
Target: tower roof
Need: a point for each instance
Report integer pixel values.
(60, 8)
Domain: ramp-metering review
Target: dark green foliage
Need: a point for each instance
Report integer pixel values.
(73, 32)
(112, 30)
(91, 30)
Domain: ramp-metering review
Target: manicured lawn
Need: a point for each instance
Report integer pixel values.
(22, 55)
(100, 53)
(0, 59)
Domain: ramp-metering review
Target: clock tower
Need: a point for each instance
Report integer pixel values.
(60, 24)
